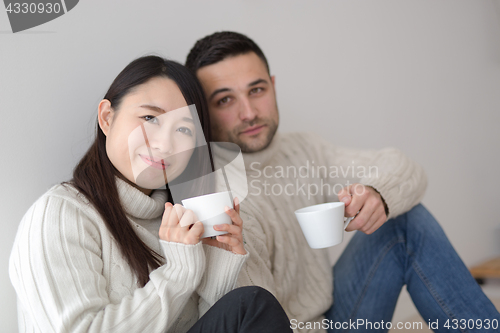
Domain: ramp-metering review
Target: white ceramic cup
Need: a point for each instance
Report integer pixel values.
(209, 209)
(323, 225)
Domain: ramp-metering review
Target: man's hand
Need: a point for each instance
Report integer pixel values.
(369, 204)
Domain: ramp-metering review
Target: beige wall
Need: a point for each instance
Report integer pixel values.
(423, 76)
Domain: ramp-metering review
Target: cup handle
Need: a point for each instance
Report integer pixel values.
(347, 220)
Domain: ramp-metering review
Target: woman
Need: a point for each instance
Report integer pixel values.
(106, 252)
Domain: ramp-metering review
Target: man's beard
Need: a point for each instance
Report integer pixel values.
(250, 145)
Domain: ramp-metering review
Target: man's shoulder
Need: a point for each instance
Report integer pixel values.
(302, 141)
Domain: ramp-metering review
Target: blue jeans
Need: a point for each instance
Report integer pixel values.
(410, 250)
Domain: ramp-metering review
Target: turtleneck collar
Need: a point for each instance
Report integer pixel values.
(139, 205)
(264, 156)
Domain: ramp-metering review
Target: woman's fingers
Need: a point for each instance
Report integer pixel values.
(235, 217)
(164, 232)
(175, 215)
(236, 205)
(193, 235)
(230, 228)
(175, 226)
(188, 218)
(166, 213)
(235, 243)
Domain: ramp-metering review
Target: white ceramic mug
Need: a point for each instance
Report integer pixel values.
(323, 225)
(210, 211)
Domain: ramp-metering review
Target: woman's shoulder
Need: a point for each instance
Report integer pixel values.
(64, 193)
(68, 192)
(62, 202)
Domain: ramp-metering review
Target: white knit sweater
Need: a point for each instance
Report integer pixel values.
(70, 276)
(289, 175)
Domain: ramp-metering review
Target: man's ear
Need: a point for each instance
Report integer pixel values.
(105, 116)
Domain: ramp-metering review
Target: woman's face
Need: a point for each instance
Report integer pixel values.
(151, 137)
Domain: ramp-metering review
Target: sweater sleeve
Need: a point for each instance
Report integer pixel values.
(56, 268)
(222, 269)
(401, 181)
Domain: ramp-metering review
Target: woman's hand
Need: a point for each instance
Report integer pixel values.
(233, 240)
(180, 225)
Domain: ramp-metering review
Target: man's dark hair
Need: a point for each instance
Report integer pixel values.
(219, 46)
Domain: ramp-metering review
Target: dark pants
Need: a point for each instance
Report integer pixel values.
(243, 310)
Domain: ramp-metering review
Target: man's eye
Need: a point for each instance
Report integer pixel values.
(256, 90)
(150, 119)
(185, 130)
(222, 101)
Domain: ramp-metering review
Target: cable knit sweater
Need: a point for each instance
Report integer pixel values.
(70, 276)
(290, 174)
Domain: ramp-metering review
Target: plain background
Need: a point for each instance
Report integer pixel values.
(422, 76)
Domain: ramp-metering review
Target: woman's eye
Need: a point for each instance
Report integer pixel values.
(150, 119)
(185, 130)
(224, 100)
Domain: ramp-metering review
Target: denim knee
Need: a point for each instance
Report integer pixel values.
(421, 218)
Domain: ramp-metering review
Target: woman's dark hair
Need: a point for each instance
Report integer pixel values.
(220, 45)
(94, 176)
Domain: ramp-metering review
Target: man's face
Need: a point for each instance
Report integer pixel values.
(241, 100)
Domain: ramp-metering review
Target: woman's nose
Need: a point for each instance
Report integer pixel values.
(161, 140)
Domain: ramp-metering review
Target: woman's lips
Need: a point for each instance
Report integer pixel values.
(253, 130)
(156, 163)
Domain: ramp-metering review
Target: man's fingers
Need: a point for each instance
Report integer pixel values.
(369, 224)
(345, 195)
(375, 226)
(380, 220)
(355, 206)
(364, 219)
(359, 221)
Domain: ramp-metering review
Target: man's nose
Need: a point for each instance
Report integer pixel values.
(247, 112)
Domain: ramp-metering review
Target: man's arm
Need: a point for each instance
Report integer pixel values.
(395, 179)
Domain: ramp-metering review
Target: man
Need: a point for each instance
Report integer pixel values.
(400, 242)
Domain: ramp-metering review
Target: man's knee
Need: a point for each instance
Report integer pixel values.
(419, 214)
(420, 225)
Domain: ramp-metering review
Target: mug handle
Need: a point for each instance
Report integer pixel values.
(347, 220)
